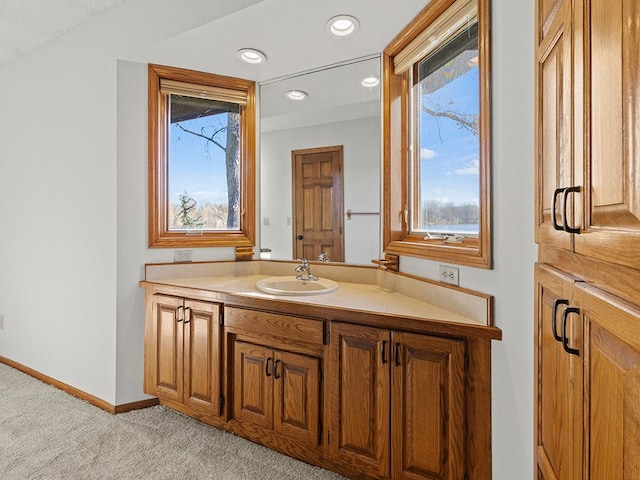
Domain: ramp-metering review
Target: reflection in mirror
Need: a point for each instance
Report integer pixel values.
(330, 143)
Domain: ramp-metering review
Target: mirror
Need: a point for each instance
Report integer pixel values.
(339, 215)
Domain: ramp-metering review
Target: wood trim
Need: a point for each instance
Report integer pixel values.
(616, 279)
(478, 409)
(158, 235)
(93, 400)
(396, 239)
(139, 405)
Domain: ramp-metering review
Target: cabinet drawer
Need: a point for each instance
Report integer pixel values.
(305, 330)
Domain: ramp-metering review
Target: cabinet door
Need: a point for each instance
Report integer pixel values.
(611, 192)
(428, 407)
(360, 398)
(253, 384)
(613, 393)
(202, 357)
(166, 348)
(554, 117)
(558, 389)
(297, 397)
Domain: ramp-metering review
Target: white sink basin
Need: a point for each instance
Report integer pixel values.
(292, 286)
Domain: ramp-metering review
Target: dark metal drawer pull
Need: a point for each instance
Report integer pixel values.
(565, 339)
(554, 315)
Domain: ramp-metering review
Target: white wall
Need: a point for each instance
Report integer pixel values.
(360, 139)
(58, 198)
(73, 210)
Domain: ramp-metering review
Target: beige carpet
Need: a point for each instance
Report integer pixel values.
(48, 434)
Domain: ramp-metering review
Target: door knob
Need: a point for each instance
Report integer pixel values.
(299, 237)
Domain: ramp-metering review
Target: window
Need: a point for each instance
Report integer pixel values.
(201, 159)
(436, 152)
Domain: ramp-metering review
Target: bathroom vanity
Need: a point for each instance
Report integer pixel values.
(388, 376)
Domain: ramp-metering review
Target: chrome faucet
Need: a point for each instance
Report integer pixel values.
(323, 257)
(305, 271)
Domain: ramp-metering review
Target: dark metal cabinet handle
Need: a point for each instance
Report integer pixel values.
(397, 355)
(565, 339)
(178, 319)
(554, 327)
(266, 368)
(300, 237)
(384, 352)
(275, 370)
(557, 192)
(565, 198)
(187, 315)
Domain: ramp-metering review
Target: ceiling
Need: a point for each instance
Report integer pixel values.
(27, 24)
(291, 33)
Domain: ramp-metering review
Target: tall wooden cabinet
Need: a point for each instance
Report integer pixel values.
(559, 374)
(588, 381)
(588, 128)
(400, 386)
(588, 232)
(554, 103)
(610, 190)
(612, 377)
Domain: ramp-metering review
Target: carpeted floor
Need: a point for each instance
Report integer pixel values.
(48, 434)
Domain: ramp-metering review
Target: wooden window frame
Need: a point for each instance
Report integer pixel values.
(397, 240)
(159, 235)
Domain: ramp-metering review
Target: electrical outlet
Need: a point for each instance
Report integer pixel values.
(1, 321)
(449, 275)
(182, 256)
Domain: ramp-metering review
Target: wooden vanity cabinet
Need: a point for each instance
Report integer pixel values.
(182, 358)
(368, 395)
(277, 390)
(396, 403)
(274, 373)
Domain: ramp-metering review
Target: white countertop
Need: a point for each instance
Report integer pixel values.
(422, 300)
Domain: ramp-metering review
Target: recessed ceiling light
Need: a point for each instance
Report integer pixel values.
(296, 94)
(371, 81)
(342, 25)
(252, 56)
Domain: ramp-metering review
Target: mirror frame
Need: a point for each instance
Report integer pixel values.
(395, 132)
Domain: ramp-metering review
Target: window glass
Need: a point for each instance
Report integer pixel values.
(446, 141)
(203, 164)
